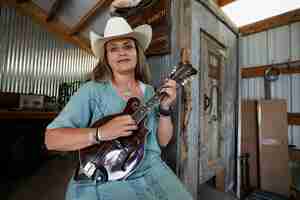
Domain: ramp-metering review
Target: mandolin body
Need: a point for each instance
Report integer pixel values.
(115, 159)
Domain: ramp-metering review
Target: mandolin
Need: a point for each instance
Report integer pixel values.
(116, 159)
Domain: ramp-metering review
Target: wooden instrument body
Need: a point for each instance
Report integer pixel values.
(116, 159)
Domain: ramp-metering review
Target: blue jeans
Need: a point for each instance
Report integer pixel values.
(153, 180)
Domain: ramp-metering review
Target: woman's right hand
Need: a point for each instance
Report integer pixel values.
(120, 126)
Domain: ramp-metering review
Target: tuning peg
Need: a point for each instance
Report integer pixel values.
(174, 70)
(184, 82)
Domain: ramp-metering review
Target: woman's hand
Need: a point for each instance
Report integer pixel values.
(170, 89)
(120, 126)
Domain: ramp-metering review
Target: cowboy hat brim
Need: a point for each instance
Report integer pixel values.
(142, 34)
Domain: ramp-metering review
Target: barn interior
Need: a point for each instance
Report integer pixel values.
(236, 123)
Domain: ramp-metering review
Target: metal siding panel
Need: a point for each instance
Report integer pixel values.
(243, 53)
(12, 68)
(281, 89)
(255, 88)
(35, 61)
(253, 50)
(290, 134)
(279, 44)
(245, 88)
(295, 133)
(257, 49)
(295, 93)
(4, 21)
(295, 41)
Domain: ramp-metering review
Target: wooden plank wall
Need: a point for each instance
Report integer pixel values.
(204, 20)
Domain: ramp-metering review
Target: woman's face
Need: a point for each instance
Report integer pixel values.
(121, 55)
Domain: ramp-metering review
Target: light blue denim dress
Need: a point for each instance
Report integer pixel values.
(152, 179)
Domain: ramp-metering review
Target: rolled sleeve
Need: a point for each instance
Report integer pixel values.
(77, 112)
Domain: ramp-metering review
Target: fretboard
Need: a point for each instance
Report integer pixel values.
(145, 109)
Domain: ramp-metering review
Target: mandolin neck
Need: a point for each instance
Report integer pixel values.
(144, 109)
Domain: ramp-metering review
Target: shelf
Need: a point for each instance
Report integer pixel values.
(4, 114)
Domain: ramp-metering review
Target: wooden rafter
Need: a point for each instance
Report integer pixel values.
(294, 118)
(101, 4)
(55, 26)
(292, 67)
(273, 22)
(222, 3)
(54, 9)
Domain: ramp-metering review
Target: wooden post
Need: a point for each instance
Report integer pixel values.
(220, 180)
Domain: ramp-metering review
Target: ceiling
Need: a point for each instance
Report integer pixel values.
(71, 19)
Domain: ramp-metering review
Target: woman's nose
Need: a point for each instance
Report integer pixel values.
(122, 51)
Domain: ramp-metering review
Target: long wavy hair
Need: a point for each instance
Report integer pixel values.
(103, 71)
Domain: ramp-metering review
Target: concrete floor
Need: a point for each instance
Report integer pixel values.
(50, 180)
(47, 183)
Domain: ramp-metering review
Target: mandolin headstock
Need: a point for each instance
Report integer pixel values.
(183, 73)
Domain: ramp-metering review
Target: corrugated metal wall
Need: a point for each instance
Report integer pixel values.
(33, 60)
(274, 46)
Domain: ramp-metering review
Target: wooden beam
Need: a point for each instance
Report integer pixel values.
(54, 9)
(292, 67)
(273, 22)
(39, 15)
(294, 119)
(220, 180)
(21, 1)
(294, 154)
(222, 3)
(101, 4)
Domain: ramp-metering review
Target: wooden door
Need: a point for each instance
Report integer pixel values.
(211, 112)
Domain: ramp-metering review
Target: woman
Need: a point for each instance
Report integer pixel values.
(121, 74)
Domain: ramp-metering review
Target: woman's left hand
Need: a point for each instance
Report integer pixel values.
(170, 89)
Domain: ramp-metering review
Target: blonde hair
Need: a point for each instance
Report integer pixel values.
(103, 71)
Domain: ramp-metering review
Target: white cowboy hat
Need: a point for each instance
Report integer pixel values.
(117, 27)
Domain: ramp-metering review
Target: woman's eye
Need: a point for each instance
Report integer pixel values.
(113, 49)
(128, 47)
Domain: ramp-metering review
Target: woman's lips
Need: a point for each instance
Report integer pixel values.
(123, 60)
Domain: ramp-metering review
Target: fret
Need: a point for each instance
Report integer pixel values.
(145, 109)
